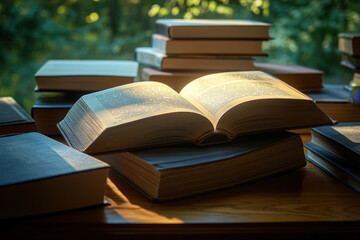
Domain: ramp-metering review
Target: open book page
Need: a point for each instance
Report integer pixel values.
(217, 93)
(136, 101)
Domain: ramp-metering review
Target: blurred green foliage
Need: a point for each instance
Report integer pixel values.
(31, 32)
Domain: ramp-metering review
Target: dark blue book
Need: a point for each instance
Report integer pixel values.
(39, 175)
(342, 140)
(334, 165)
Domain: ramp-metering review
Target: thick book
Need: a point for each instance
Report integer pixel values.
(13, 118)
(174, 172)
(349, 43)
(175, 80)
(350, 61)
(150, 57)
(40, 175)
(302, 78)
(207, 46)
(334, 100)
(333, 165)
(211, 109)
(342, 140)
(84, 75)
(50, 108)
(213, 29)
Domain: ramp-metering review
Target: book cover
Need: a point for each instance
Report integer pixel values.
(85, 75)
(13, 118)
(342, 140)
(40, 175)
(333, 165)
(150, 57)
(207, 47)
(213, 28)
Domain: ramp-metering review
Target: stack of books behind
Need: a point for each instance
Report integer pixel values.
(183, 50)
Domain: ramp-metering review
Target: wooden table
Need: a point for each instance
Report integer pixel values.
(305, 203)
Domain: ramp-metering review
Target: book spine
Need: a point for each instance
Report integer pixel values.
(162, 29)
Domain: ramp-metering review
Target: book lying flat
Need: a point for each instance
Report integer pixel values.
(50, 108)
(85, 75)
(207, 46)
(211, 109)
(211, 28)
(335, 102)
(13, 118)
(336, 150)
(39, 175)
(150, 57)
(302, 78)
(174, 172)
(349, 43)
(342, 140)
(350, 61)
(175, 80)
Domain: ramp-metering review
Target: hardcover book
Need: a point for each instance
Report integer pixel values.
(40, 175)
(342, 140)
(334, 100)
(50, 108)
(211, 109)
(302, 78)
(150, 57)
(336, 150)
(349, 43)
(212, 29)
(350, 61)
(85, 75)
(13, 118)
(207, 46)
(175, 172)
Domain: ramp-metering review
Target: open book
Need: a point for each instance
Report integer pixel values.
(213, 108)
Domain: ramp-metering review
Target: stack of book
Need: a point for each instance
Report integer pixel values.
(336, 150)
(183, 50)
(349, 47)
(221, 130)
(60, 83)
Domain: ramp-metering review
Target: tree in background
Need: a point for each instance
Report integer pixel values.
(31, 32)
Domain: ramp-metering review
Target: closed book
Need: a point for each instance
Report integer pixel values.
(150, 57)
(174, 172)
(333, 165)
(39, 175)
(334, 100)
(211, 109)
(302, 78)
(13, 118)
(342, 140)
(84, 75)
(207, 46)
(50, 108)
(349, 43)
(212, 29)
(350, 61)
